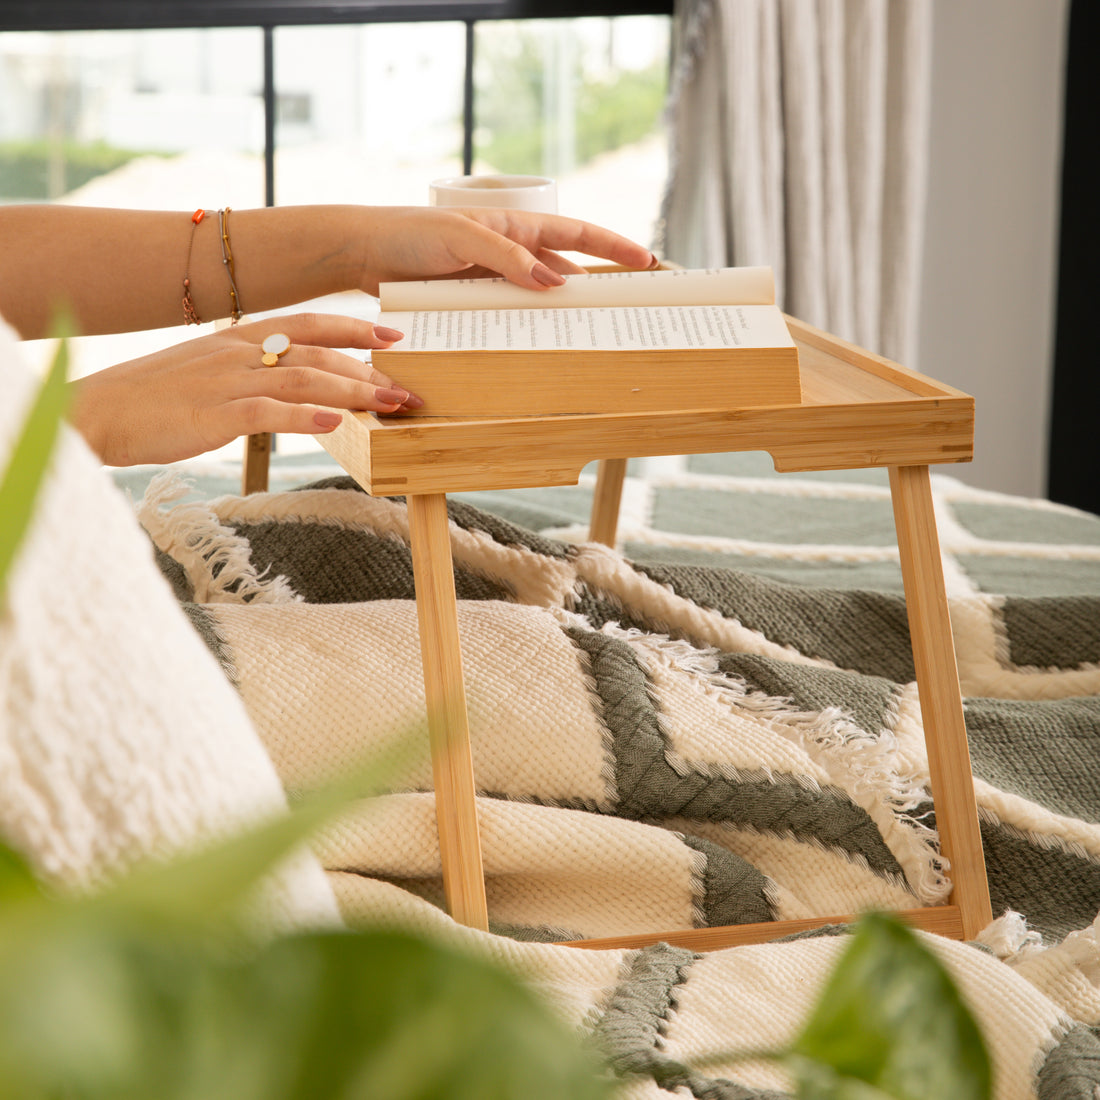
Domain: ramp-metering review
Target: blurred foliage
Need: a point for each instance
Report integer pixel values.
(30, 459)
(151, 991)
(619, 112)
(615, 108)
(25, 166)
(890, 1022)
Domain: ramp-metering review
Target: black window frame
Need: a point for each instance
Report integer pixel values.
(60, 15)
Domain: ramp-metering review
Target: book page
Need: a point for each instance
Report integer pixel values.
(629, 328)
(713, 286)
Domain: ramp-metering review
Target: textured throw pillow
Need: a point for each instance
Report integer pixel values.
(120, 737)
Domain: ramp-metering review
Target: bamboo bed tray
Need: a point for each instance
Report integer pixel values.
(857, 410)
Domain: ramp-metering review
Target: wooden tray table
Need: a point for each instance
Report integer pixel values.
(857, 410)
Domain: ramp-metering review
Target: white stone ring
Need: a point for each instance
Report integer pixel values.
(278, 343)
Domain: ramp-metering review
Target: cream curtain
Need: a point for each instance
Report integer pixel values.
(798, 139)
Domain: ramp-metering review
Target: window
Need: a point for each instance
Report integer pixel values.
(365, 112)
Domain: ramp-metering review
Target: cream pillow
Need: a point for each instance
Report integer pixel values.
(120, 737)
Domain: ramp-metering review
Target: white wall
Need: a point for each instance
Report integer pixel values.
(989, 278)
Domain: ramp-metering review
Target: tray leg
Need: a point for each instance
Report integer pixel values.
(257, 459)
(448, 723)
(605, 503)
(940, 694)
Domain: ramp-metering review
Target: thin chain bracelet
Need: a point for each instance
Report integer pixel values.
(227, 260)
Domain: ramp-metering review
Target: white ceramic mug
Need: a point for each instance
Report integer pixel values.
(516, 192)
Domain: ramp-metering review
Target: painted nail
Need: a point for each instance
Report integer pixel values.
(542, 274)
(384, 333)
(413, 402)
(327, 420)
(392, 397)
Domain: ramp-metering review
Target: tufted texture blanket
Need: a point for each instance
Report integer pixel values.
(714, 724)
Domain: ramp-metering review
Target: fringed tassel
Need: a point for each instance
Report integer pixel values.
(217, 561)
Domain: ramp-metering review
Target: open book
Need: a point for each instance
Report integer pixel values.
(623, 341)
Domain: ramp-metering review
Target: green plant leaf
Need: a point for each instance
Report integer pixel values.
(890, 1017)
(29, 461)
(94, 1008)
(140, 992)
(820, 1082)
(210, 885)
(71, 1010)
(17, 882)
(391, 1014)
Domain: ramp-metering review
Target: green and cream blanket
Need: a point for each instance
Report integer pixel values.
(715, 723)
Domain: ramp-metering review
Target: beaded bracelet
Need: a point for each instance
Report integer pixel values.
(227, 259)
(190, 314)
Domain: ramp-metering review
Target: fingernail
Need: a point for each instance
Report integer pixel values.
(327, 420)
(392, 397)
(384, 333)
(413, 402)
(542, 274)
(653, 262)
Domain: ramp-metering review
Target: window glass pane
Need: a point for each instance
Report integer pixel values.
(148, 119)
(373, 113)
(580, 100)
(367, 113)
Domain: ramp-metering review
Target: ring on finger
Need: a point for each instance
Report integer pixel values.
(274, 346)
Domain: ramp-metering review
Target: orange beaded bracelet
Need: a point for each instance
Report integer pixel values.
(190, 314)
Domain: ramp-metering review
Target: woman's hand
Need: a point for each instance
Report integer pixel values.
(199, 395)
(411, 242)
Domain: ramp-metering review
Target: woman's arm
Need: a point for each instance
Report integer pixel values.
(124, 270)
